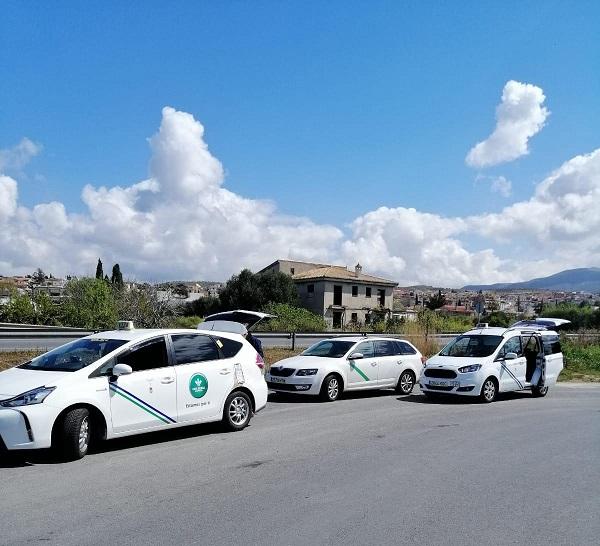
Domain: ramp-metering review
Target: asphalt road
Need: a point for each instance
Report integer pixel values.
(370, 469)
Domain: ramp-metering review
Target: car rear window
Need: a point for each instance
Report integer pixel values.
(228, 347)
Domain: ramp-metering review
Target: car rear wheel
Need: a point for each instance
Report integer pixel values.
(237, 411)
(406, 383)
(331, 388)
(75, 433)
(489, 390)
(539, 392)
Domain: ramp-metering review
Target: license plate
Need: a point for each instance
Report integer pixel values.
(277, 379)
(443, 383)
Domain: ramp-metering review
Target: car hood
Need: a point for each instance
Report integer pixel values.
(453, 362)
(16, 381)
(304, 362)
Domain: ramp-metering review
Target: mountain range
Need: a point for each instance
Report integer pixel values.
(585, 279)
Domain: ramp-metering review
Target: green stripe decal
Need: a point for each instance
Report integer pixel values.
(140, 406)
(359, 371)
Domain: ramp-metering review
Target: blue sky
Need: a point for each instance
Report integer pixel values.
(329, 110)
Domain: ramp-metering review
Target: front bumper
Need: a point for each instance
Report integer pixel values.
(28, 427)
(308, 384)
(468, 384)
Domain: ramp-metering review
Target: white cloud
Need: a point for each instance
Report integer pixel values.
(502, 186)
(181, 222)
(519, 116)
(15, 158)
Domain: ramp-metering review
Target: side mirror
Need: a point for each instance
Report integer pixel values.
(121, 369)
(510, 356)
(355, 356)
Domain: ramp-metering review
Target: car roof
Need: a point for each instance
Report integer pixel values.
(357, 338)
(508, 332)
(145, 333)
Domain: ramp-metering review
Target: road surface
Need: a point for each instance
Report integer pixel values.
(373, 468)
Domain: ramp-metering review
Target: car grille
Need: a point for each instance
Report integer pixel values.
(281, 386)
(439, 388)
(282, 372)
(446, 374)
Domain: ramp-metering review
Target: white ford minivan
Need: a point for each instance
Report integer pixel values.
(485, 361)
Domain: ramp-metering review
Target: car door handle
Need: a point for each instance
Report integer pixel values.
(225, 371)
(373, 363)
(167, 380)
(399, 362)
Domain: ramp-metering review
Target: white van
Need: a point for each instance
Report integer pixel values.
(485, 361)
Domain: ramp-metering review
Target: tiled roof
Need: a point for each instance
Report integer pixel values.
(340, 273)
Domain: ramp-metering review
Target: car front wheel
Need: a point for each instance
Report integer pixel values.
(489, 390)
(331, 388)
(75, 433)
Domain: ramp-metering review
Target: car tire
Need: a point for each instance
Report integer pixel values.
(331, 388)
(237, 411)
(406, 382)
(489, 390)
(74, 435)
(539, 392)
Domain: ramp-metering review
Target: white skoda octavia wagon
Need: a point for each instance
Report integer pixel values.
(125, 382)
(336, 365)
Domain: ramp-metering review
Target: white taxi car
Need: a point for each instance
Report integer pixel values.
(128, 381)
(336, 365)
(485, 361)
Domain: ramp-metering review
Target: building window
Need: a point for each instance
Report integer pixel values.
(310, 290)
(381, 297)
(291, 270)
(354, 291)
(368, 292)
(354, 317)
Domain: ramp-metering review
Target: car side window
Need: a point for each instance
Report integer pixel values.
(228, 347)
(366, 348)
(384, 348)
(147, 356)
(403, 348)
(551, 345)
(194, 348)
(513, 345)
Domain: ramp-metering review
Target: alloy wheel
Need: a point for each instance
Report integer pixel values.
(238, 410)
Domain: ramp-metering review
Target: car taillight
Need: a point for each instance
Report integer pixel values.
(259, 361)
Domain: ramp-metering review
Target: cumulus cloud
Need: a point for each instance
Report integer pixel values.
(181, 222)
(15, 158)
(519, 116)
(497, 184)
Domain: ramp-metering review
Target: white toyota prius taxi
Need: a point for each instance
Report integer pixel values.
(128, 381)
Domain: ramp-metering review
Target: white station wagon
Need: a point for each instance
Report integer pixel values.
(128, 381)
(336, 365)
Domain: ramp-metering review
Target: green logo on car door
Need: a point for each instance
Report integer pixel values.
(198, 385)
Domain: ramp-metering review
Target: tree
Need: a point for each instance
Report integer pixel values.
(19, 309)
(38, 277)
(436, 301)
(99, 271)
(117, 277)
(145, 306)
(255, 291)
(89, 303)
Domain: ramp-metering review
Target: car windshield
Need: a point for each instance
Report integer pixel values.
(472, 345)
(329, 348)
(73, 356)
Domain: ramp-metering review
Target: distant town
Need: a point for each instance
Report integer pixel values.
(341, 295)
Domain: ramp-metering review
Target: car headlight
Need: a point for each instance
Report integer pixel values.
(471, 368)
(35, 396)
(307, 371)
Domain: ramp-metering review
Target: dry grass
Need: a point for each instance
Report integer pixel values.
(12, 358)
(278, 353)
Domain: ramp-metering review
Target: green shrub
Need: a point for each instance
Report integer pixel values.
(185, 322)
(292, 319)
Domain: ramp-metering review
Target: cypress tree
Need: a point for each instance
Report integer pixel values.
(99, 272)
